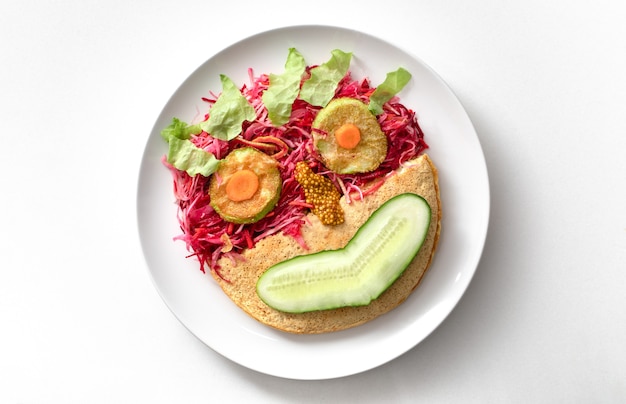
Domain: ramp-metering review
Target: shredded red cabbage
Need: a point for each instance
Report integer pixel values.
(209, 238)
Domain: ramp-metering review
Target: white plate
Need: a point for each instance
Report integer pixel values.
(198, 302)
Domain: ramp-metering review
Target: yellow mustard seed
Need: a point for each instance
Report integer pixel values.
(320, 192)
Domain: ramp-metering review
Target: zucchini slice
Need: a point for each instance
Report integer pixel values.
(262, 201)
(354, 275)
(370, 151)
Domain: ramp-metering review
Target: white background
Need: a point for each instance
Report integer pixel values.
(81, 84)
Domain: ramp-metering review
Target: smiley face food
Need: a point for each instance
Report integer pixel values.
(315, 210)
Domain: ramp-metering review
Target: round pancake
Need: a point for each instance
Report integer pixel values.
(418, 176)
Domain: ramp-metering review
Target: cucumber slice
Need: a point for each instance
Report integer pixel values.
(358, 273)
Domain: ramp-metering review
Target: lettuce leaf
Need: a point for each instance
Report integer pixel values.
(180, 130)
(394, 82)
(284, 89)
(186, 156)
(183, 154)
(320, 88)
(228, 113)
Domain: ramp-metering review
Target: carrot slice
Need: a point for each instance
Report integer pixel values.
(348, 136)
(242, 185)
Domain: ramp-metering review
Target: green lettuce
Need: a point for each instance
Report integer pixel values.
(228, 113)
(186, 156)
(394, 82)
(180, 130)
(183, 154)
(283, 89)
(320, 88)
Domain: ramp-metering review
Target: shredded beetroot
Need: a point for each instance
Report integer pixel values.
(208, 237)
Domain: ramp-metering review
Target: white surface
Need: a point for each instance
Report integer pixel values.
(543, 319)
(200, 304)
